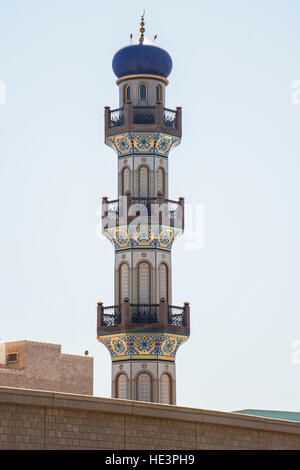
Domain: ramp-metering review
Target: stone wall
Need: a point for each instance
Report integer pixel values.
(44, 420)
(42, 366)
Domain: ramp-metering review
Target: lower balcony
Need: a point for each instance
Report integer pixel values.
(143, 317)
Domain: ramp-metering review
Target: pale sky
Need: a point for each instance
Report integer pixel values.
(234, 65)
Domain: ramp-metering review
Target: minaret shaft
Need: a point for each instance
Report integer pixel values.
(143, 329)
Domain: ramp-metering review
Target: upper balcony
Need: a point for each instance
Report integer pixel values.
(142, 118)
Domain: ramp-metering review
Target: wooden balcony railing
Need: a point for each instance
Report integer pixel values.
(160, 316)
(135, 118)
(176, 315)
(144, 114)
(172, 212)
(170, 118)
(116, 117)
(111, 315)
(144, 313)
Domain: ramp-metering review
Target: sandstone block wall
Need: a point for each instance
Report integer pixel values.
(44, 420)
(42, 366)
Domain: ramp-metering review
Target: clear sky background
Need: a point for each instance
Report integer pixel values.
(234, 65)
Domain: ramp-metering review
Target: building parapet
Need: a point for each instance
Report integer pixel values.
(51, 420)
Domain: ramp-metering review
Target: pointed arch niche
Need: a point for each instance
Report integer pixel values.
(144, 282)
(163, 281)
(144, 387)
(123, 281)
(143, 181)
(166, 389)
(125, 180)
(122, 386)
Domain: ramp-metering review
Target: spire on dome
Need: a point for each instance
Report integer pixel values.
(142, 29)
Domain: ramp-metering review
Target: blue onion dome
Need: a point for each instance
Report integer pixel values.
(142, 57)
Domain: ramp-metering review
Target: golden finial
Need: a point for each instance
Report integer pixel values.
(142, 29)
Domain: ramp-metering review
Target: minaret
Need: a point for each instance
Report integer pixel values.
(143, 329)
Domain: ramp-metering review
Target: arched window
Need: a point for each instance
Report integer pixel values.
(161, 181)
(126, 94)
(144, 386)
(144, 283)
(124, 281)
(163, 281)
(143, 92)
(166, 389)
(125, 181)
(159, 93)
(143, 181)
(122, 387)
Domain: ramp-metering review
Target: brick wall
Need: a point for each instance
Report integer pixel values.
(44, 420)
(42, 366)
